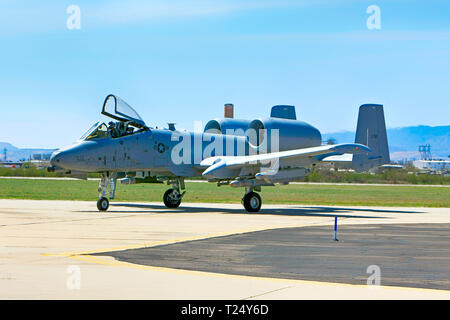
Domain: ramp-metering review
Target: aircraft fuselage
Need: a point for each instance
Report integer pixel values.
(165, 152)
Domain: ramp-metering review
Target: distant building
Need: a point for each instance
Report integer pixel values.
(427, 163)
(41, 156)
(433, 165)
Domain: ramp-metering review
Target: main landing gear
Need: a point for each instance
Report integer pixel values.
(251, 200)
(108, 181)
(172, 197)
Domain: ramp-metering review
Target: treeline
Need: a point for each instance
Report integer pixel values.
(32, 171)
(389, 177)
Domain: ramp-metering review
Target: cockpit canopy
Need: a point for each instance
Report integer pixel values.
(128, 121)
(116, 108)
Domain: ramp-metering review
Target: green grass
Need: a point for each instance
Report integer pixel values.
(409, 175)
(207, 192)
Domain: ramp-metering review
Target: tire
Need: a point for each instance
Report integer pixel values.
(103, 204)
(252, 202)
(169, 201)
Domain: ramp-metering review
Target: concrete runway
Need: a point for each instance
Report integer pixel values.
(51, 250)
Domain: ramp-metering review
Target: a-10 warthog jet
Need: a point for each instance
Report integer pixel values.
(240, 153)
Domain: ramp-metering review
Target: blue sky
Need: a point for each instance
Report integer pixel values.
(180, 61)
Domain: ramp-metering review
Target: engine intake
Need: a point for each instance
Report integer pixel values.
(292, 134)
(235, 127)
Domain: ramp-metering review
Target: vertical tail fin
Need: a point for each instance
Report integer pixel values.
(371, 131)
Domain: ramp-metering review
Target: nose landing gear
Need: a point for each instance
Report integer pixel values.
(107, 180)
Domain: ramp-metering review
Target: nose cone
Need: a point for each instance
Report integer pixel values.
(60, 159)
(54, 158)
(65, 158)
(77, 157)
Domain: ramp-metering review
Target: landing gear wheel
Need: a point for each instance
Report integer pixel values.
(172, 198)
(252, 202)
(103, 204)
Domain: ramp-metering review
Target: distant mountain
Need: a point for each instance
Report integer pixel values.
(404, 142)
(16, 154)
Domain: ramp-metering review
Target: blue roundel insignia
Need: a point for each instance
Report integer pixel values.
(161, 148)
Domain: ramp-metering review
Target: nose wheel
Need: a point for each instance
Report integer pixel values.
(252, 202)
(103, 204)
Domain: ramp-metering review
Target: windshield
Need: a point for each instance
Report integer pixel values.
(98, 131)
(95, 125)
(113, 130)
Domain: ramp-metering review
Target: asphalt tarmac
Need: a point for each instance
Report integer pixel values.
(410, 255)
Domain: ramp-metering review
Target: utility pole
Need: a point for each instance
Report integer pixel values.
(425, 152)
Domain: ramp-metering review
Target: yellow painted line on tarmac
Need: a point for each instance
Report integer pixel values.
(115, 263)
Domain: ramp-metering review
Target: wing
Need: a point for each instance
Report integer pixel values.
(213, 164)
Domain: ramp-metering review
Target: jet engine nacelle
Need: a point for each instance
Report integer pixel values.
(261, 133)
(235, 127)
(282, 131)
(289, 134)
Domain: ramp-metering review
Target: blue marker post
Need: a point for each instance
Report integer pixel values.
(335, 229)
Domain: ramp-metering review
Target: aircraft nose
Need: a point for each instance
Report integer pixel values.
(74, 157)
(55, 158)
(62, 159)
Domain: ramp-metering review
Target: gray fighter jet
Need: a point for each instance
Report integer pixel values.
(234, 152)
